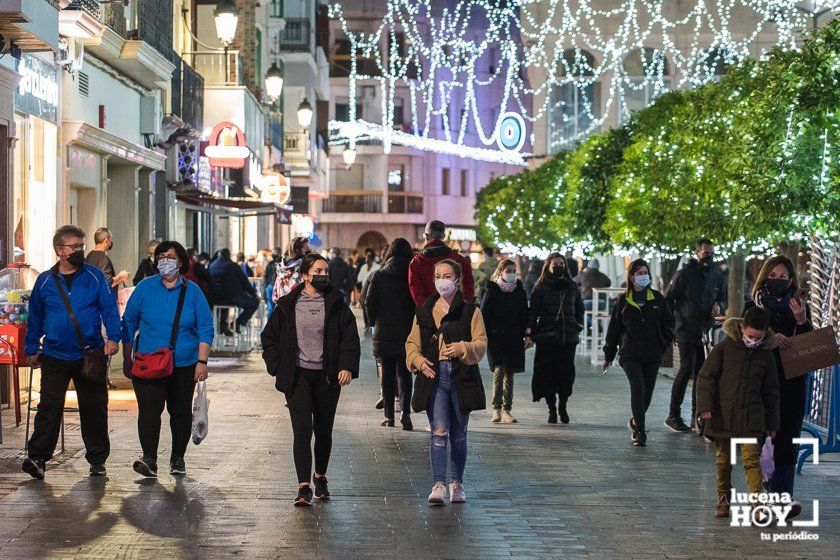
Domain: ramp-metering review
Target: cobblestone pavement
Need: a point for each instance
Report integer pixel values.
(534, 490)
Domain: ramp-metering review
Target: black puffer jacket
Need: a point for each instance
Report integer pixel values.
(390, 308)
(505, 318)
(642, 331)
(280, 346)
(692, 294)
(552, 300)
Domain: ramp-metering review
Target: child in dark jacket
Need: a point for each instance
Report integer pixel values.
(738, 397)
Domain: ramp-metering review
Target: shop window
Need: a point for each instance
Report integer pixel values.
(444, 181)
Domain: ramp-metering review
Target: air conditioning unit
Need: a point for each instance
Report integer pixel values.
(71, 53)
(150, 115)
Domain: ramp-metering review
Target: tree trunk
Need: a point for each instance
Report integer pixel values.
(790, 249)
(668, 268)
(737, 271)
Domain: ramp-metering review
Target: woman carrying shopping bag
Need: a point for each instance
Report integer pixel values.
(171, 321)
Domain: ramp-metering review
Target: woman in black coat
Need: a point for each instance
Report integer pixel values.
(641, 329)
(504, 306)
(776, 291)
(390, 311)
(555, 322)
(311, 348)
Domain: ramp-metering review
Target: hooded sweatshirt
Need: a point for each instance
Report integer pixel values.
(421, 272)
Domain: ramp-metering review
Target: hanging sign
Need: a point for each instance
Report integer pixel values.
(226, 146)
(275, 188)
(37, 91)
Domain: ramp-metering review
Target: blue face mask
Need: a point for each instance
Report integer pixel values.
(642, 281)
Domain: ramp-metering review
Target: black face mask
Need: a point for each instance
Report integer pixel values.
(707, 261)
(76, 259)
(277, 257)
(777, 287)
(320, 282)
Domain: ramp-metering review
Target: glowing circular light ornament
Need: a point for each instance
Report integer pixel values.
(510, 134)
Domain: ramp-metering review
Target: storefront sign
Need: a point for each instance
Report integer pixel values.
(226, 146)
(462, 234)
(275, 188)
(37, 92)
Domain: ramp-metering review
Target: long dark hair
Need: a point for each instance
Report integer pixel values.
(308, 261)
(769, 265)
(547, 266)
(631, 270)
(400, 247)
(295, 249)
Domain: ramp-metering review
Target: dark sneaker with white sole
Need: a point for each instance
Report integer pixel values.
(146, 467)
(639, 438)
(677, 425)
(177, 466)
(322, 491)
(34, 467)
(304, 497)
(98, 469)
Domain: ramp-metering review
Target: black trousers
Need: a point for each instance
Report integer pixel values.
(554, 373)
(692, 356)
(312, 409)
(93, 410)
(176, 392)
(248, 303)
(642, 378)
(395, 379)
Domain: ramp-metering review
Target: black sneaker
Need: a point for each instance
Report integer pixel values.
(177, 466)
(34, 467)
(225, 330)
(304, 497)
(677, 425)
(146, 467)
(552, 416)
(98, 469)
(564, 416)
(406, 422)
(380, 403)
(322, 491)
(238, 328)
(639, 438)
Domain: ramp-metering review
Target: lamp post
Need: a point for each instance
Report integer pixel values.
(274, 82)
(349, 156)
(226, 16)
(304, 113)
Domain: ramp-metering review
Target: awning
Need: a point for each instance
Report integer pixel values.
(238, 206)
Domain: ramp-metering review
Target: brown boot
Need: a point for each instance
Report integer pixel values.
(722, 509)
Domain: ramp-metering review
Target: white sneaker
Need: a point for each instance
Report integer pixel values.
(497, 415)
(457, 495)
(507, 418)
(438, 494)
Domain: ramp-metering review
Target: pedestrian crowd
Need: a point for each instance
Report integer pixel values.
(433, 319)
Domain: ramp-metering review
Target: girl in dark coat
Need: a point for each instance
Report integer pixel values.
(555, 322)
(776, 291)
(311, 348)
(504, 306)
(390, 310)
(641, 329)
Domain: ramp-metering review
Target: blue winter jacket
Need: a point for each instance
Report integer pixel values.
(92, 302)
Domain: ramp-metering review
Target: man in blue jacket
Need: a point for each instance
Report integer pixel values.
(230, 286)
(53, 345)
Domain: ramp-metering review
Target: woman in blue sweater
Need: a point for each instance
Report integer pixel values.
(149, 318)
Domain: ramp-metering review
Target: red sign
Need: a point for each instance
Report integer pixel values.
(226, 146)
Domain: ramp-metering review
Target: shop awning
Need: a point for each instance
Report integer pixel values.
(238, 206)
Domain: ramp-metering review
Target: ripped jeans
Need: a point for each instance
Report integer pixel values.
(449, 426)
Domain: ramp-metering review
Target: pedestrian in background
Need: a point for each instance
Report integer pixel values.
(99, 258)
(67, 308)
(777, 291)
(390, 311)
(197, 272)
(288, 272)
(341, 275)
(738, 397)
(270, 277)
(590, 278)
(504, 307)
(230, 286)
(641, 329)
(697, 294)
(445, 346)
(146, 267)
(484, 271)
(556, 319)
(421, 272)
(311, 348)
(244, 265)
(148, 323)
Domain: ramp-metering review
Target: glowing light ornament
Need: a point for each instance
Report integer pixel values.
(439, 58)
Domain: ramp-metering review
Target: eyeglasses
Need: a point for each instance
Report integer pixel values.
(76, 246)
(168, 258)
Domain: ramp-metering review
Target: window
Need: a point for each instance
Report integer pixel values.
(465, 175)
(399, 112)
(444, 181)
(396, 178)
(575, 102)
(647, 78)
(342, 111)
(711, 64)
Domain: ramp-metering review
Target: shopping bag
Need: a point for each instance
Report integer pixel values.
(201, 404)
(123, 296)
(766, 459)
(810, 351)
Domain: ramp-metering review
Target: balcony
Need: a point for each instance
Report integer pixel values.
(405, 203)
(113, 15)
(340, 66)
(296, 36)
(188, 94)
(217, 67)
(370, 202)
(81, 19)
(154, 25)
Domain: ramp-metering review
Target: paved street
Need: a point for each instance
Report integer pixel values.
(534, 490)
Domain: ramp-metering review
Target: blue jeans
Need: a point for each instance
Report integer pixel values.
(448, 425)
(269, 305)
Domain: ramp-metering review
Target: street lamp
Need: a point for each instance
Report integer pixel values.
(304, 113)
(227, 16)
(274, 82)
(349, 156)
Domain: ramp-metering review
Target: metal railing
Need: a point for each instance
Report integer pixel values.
(405, 203)
(354, 202)
(294, 143)
(296, 36)
(92, 7)
(113, 15)
(188, 94)
(153, 25)
(340, 67)
(216, 67)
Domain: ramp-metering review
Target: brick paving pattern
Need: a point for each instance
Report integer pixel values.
(534, 490)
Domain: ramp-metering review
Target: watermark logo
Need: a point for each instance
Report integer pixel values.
(771, 509)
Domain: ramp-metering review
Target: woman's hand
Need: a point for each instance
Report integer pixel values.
(607, 365)
(111, 348)
(705, 416)
(344, 377)
(528, 342)
(200, 372)
(427, 369)
(452, 351)
(783, 341)
(799, 310)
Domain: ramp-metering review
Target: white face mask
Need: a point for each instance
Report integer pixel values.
(642, 281)
(510, 277)
(752, 342)
(167, 267)
(445, 287)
